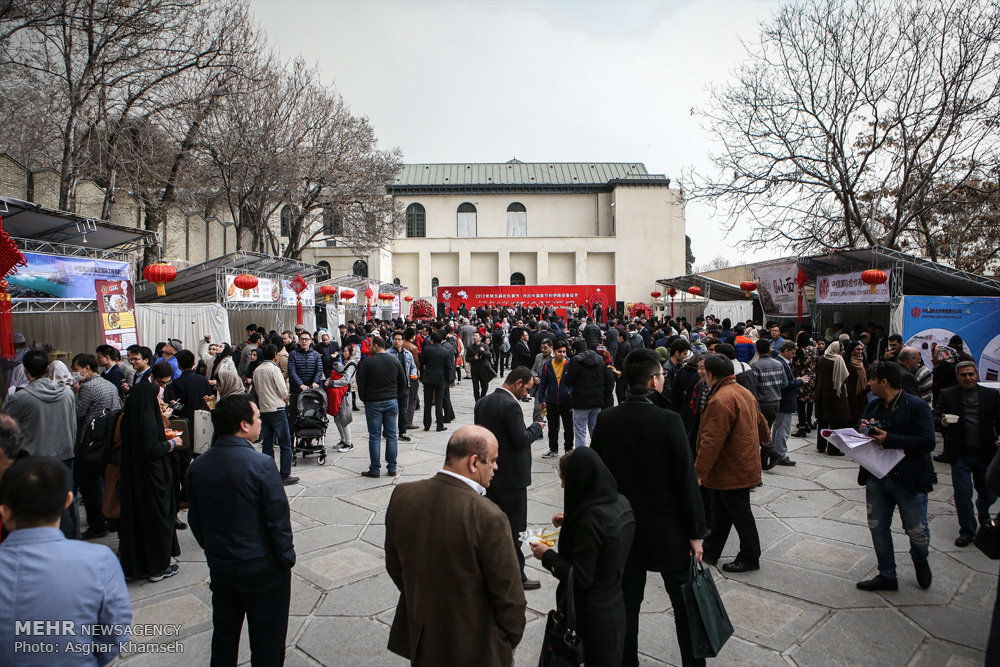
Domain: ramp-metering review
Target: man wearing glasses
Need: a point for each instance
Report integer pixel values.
(305, 370)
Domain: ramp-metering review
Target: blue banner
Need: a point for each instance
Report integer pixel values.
(933, 320)
(55, 277)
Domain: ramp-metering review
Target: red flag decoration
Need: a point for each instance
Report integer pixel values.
(368, 302)
(298, 285)
(800, 280)
(10, 258)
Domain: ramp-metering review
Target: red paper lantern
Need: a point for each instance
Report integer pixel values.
(245, 282)
(748, 286)
(407, 298)
(346, 294)
(655, 295)
(328, 291)
(160, 273)
(694, 290)
(874, 278)
(386, 296)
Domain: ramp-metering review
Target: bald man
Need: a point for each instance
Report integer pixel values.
(447, 549)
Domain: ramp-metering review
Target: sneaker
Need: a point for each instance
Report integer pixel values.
(404, 438)
(171, 570)
(551, 454)
(879, 583)
(344, 447)
(923, 569)
(786, 462)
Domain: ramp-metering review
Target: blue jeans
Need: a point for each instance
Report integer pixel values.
(883, 496)
(274, 425)
(968, 471)
(381, 417)
(584, 420)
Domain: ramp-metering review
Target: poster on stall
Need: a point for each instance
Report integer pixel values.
(849, 288)
(266, 291)
(778, 292)
(116, 308)
(929, 321)
(55, 277)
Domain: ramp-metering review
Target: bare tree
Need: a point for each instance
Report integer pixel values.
(719, 262)
(853, 122)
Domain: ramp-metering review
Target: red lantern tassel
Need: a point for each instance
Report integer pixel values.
(298, 310)
(6, 323)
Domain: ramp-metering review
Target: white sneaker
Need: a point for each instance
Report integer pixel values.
(345, 448)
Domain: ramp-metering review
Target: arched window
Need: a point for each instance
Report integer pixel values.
(326, 269)
(517, 220)
(416, 221)
(361, 268)
(395, 281)
(466, 221)
(287, 213)
(517, 278)
(333, 223)
(434, 286)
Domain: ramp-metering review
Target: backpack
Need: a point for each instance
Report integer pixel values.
(96, 441)
(746, 378)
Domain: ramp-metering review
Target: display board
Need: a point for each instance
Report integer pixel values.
(116, 308)
(778, 291)
(849, 288)
(557, 296)
(61, 278)
(933, 320)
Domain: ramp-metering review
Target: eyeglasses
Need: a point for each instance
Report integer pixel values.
(660, 374)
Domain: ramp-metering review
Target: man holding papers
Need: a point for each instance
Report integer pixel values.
(897, 420)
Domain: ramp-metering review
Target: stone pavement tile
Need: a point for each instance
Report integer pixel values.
(314, 539)
(540, 514)
(421, 470)
(374, 499)
(527, 652)
(190, 573)
(816, 553)
(366, 597)
(765, 494)
(888, 639)
(809, 585)
(943, 492)
(857, 514)
(977, 594)
(803, 503)
(789, 483)
(856, 495)
(842, 532)
(184, 610)
(343, 487)
(658, 640)
(190, 551)
(331, 511)
(764, 618)
(347, 641)
(769, 530)
(810, 456)
(841, 478)
(301, 521)
(936, 653)
(319, 476)
(374, 534)
(936, 508)
(550, 494)
(953, 624)
(304, 596)
(801, 470)
(378, 519)
(415, 456)
(949, 577)
(972, 558)
(944, 530)
(340, 566)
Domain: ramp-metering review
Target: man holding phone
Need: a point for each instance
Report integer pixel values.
(897, 420)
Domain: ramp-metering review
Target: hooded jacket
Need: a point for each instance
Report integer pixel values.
(46, 412)
(586, 377)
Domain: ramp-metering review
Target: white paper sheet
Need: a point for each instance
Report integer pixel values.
(874, 458)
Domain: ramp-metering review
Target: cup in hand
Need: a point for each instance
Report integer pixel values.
(949, 418)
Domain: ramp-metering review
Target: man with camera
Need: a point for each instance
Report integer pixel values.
(897, 420)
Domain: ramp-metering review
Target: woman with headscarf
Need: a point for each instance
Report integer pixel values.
(228, 382)
(857, 379)
(597, 526)
(340, 379)
(147, 528)
(832, 408)
(804, 366)
(223, 360)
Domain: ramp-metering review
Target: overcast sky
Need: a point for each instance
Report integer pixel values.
(563, 80)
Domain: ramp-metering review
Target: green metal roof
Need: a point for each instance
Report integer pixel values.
(485, 176)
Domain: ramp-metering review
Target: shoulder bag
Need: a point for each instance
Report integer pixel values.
(561, 647)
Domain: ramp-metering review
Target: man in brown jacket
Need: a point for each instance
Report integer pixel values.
(730, 436)
(447, 548)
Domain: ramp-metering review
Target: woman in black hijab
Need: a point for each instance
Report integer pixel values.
(147, 534)
(597, 529)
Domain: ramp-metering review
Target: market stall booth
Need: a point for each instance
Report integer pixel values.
(693, 294)
(352, 298)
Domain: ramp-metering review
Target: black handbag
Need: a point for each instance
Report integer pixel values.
(561, 647)
(488, 373)
(708, 621)
(987, 540)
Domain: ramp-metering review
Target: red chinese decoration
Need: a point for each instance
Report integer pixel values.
(422, 310)
(407, 298)
(386, 296)
(748, 286)
(671, 293)
(873, 278)
(694, 290)
(800, 280)
(327, 291)
(298, 286)
(160, 273)
(10, 258)
(347, 294)
(368, 302)
(245, 282)
(655, 295)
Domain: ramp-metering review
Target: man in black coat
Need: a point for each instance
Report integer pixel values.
(501, 414)
(588, 379)
(969, 444)
(646, 449)
(436, 372)
(592, 334)
(521, 351)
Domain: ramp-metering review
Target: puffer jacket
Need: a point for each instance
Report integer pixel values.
(585, 376)
(304, 368)
(731, 433)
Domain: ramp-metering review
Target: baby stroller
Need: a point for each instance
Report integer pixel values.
(309, 428)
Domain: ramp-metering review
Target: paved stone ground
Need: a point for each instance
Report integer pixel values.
(801, 608)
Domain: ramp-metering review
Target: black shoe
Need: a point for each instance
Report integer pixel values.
(941, 458)
(180, 525)
(411, 427)
(740, 566)
(288, 481)
(94, 532)
(427, 428)
(369, 473)
(960, 541)
(879, 583)
(552, 453)
(786, 462)
(923, 569)
(801, 433)
(390, 473)
(531, 585)
(833, 451)
(821, 450)
(404, 438)
(442, 427)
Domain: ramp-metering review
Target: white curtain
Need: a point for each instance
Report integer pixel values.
(517, 223)
(188, 322)
(736, 311)
(467, 225)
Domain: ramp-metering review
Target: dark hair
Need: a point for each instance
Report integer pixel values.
(268, 352)
(185, 360)
(564, 464)
(726, 349)
(142, 351)
(738, 330)
(727, 323)
(788, 346)
(35, 363)
(763, 346)
(256, 337)
(679, 345)
(712, 340)
(378, 341)
(276, 341)
(895, 338)
(437, 337)
(251, 327)
(162, 369)
(85, 360)
(718, 365)
(230, 412)
(965, 364)
(10, 437)
(889, 371)
(35, 488)
(409, 333)
(559, 343)
(109, 351)
(579, 346)
(461, 446)
(519, 374)
(641, 365)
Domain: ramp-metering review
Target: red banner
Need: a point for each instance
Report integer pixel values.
(557, 296)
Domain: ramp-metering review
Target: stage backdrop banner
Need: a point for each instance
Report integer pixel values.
(779, 295)
(557, 296)
(849, 288)
(929, 320)
(116, 306)
(55, 277)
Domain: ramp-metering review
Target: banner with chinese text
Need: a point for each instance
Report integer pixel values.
(849, 288)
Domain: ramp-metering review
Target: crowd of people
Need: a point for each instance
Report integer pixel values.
(666, 426)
